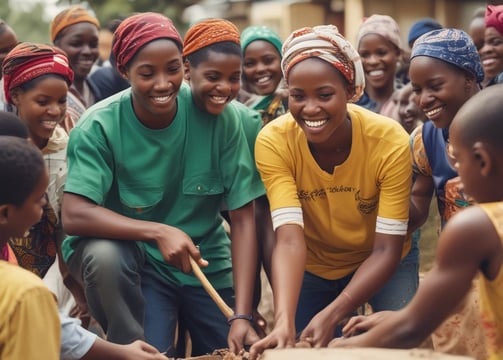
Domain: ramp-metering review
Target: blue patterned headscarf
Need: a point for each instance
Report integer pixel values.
(453, 46)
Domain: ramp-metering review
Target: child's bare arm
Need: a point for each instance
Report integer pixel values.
(138, 350)
(467, 242)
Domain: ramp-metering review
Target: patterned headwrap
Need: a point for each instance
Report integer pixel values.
(494, 17)
(138, 30)
(382, 25)
(28, 61)
(252, 33)
(72, 15)
(453, 46)
(208, 32)
(326, 43)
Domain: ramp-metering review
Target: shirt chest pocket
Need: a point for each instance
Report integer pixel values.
(209, 183)
(138, 202)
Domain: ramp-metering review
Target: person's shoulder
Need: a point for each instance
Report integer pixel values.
(247, 115)
(377, 125)
(283, 124)
(471, 230)
(243, 109)
(106, 110)
(15, 279)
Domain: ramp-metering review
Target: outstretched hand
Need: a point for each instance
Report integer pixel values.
(241, 334)
(319, 331)
(140, 350)
(280, 337)
(363, 323)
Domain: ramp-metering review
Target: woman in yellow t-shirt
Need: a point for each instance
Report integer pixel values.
(338, 180)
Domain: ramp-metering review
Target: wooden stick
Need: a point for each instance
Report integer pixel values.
(224, 308)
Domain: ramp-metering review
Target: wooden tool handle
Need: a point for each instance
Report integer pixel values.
(224, 308)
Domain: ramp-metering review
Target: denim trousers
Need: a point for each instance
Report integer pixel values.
(316, 293)
(110, 273)
(169, 304)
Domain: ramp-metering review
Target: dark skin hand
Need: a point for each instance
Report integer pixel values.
(137, 350)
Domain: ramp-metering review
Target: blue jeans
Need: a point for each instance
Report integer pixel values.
(191, 307)
(316, 293)
(402, 286)
(109, 272)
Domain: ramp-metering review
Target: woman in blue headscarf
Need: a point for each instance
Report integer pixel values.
(445, 71)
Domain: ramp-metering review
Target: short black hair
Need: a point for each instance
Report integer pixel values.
(22, 167)
(223, 47)
(11, 125)
(479, 119)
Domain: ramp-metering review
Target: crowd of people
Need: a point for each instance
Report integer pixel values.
(309, 161)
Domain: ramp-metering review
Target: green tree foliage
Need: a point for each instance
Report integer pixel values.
(29, 25)
(106, 10)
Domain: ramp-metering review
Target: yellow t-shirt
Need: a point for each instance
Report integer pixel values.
(491, 293)
(30, 328)
(342, 211)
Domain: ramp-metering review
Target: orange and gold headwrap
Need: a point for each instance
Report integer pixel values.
(208, 32)
(326, 43)
(72, 15)
(138, 30)
(28, 61)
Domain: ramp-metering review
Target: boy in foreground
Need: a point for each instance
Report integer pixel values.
(471, 242)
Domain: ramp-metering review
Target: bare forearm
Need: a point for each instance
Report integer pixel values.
(418, 213)
(244, 257)
(84, 218)
(288, 265)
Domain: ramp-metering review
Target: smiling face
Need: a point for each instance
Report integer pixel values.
(80, 43)
(262, 67)
(42, 106)
(214, 82)
(409, 113)
(440, 88)
(318, 99)
(379, 58)
(491, 53)
(155, 74)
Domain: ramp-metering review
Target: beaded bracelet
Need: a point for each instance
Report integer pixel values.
(240, 316)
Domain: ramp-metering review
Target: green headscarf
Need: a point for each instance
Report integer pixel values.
(253, 33)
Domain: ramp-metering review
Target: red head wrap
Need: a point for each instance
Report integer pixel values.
(137, 31)
(209, 32)
(494, 17)
(28, 61)
(72, 15)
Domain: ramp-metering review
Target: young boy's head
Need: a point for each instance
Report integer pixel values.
(212, 62)
(11, 125)
(23, 184)
(476, 135)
